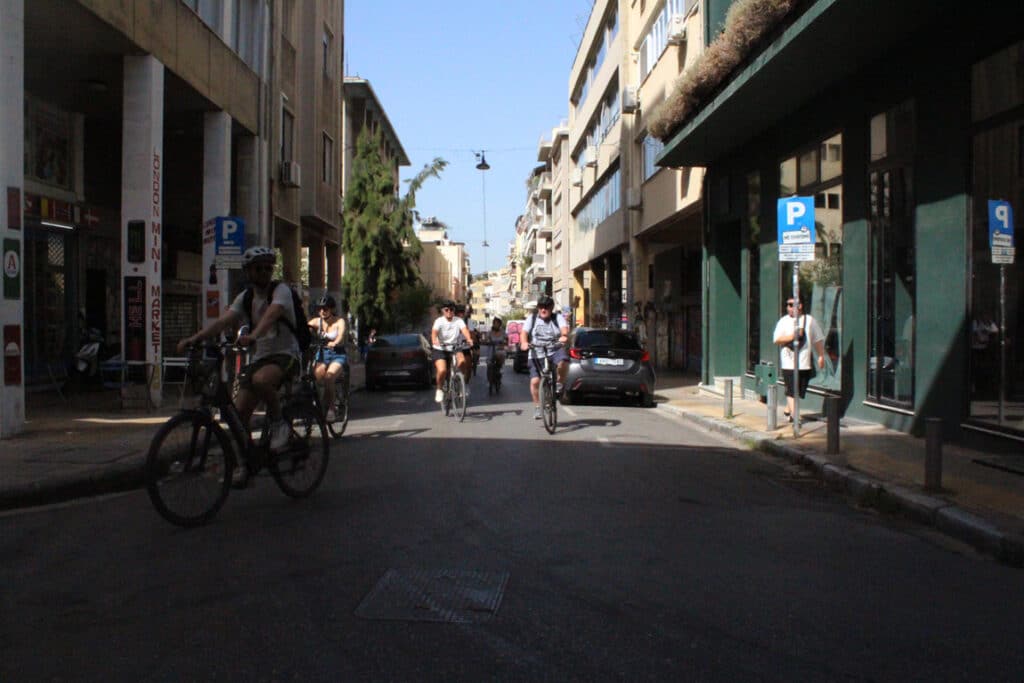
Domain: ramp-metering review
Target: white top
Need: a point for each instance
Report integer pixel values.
(786, 327)
(278, 338)
(449, 331)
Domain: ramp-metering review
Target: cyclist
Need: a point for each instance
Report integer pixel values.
(473, 355)
(498, 341)
(276, 354)
(332, 363)
(545, 327)
(450, 330)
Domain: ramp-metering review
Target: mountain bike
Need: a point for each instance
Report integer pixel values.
(493, 370)
(193, 455)
(342, 392)
(548, 389)
(454, 387)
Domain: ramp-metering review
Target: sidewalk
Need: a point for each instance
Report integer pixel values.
(89, 446)
(978, 504)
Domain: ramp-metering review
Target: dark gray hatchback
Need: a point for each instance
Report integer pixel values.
(608, 362)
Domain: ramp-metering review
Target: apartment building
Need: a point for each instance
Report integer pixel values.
(444, 264)
(905, 124)
(553, 152)
(535, 258)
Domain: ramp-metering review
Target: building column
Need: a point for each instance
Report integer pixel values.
(334, 272)
(247, 188)
(141, 217)
(289, 243)
(317, 268)
(12, 177)
(216, 203)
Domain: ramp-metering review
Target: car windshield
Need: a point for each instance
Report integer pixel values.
(607, 339)
(397, 340)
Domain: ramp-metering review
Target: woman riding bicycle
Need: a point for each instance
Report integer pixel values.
(498, 341)
(332, 361)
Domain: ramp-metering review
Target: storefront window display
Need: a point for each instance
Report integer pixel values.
(817, 171)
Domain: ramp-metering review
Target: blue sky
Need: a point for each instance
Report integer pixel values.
(462, 75)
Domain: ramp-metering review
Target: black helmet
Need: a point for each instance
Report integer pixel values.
(545, 302)
(460, 308)
(448, 304)
(326, 301)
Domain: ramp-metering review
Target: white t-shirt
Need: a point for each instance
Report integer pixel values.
(450, 331)
(278, 339)
(787, 327)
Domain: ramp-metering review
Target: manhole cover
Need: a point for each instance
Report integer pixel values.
(439, 595)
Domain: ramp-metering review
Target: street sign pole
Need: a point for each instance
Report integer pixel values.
(1001, 242)
(797, 237)
(796, 349)
(1002, 343)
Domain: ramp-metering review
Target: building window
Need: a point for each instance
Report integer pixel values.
(327, 170)
(753, 239)
(652, 147)
(821, 280)
(287, 134)
(602, 204)
(327, 40)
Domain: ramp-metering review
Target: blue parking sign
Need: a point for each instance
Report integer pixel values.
(229, 241)
(796, 228)
(1000, 231)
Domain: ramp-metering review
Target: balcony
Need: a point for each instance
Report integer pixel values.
(543, 149)
(538, 268)
(545, 185)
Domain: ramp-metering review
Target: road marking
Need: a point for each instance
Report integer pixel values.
(604, 441)
(571, 412)
(397, 423)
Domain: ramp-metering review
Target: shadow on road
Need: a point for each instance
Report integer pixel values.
(577, 425)
(388, 434)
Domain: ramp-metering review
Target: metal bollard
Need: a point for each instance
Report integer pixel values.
(728, 399)
(832, 417)
(773, 407)
(933, 454)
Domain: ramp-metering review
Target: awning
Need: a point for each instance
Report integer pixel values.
(832, 40)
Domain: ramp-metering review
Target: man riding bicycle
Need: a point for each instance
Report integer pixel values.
(450, 331)
(271, 323)
(332, 361)
(545, 328)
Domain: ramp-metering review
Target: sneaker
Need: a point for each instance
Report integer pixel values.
(536, 413)
(438, 396)
(331, 416)
(558, 389)
(279, 435)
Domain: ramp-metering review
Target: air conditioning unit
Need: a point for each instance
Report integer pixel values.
(291, 174)
(634, 198)
(677, 29)
(590, 155)
(630, 99)
(577, 178)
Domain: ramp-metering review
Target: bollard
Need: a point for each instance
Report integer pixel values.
(728, 399)
(773, 407)
(832, 417)
(933, 454)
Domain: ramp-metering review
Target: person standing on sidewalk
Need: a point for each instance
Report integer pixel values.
(799, 326)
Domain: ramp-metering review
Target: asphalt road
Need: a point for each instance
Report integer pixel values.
(628, 546)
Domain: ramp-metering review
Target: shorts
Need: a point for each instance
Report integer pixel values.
(329, 356)
(438, 354)
(805, 379)
(557, 356)
(288, 364)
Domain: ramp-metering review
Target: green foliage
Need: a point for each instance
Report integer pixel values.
(410, 310)
(517, 313)
(379, 242)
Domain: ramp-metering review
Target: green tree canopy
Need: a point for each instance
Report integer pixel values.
(380, 245)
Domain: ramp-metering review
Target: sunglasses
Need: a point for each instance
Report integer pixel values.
(446, 308)
(789, 304)
(266, 268)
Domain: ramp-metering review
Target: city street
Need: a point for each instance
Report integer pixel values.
(628, 546)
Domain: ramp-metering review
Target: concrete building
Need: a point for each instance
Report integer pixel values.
(444, 264)
(902, 121)
(553, 187)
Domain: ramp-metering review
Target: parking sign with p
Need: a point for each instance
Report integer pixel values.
(796, 229)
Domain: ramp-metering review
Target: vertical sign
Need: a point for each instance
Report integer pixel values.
(13, 208)
(12, 269)
(1000, 232)
(135, 319)
(229, 242)
(12, 355)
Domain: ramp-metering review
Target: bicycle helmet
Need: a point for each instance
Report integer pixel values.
(326, 301)
(448, 304)
(258, 255)
(545, 302)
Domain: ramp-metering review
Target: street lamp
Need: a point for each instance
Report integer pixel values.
(482, 166)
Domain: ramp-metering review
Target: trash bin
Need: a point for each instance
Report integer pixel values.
(766, 375)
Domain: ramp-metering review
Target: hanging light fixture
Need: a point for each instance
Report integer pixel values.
(482, 166)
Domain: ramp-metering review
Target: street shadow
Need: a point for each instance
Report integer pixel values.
(488, 415)
(577, 425)
(387, 434)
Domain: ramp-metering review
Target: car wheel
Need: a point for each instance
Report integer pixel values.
(647, 400)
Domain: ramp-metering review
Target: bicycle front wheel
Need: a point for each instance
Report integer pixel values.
(340, 422)
(299, 470)
(459, 396)
(188, 469)
(549, 408)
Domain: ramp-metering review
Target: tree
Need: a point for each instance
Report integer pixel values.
(380, 245)
(410, 308)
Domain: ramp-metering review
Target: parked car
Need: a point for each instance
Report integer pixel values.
(399, 359)
(608, 362)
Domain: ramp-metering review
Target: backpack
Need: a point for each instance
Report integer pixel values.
(302, 334)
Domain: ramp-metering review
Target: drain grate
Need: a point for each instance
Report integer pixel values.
(440, 595)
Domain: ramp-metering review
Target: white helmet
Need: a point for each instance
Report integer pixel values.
(258, 254)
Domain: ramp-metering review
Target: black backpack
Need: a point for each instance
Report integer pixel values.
(302, 333)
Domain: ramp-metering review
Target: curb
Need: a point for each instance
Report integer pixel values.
(100, 482)
(935, 512)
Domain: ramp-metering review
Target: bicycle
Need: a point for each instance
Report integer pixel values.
(548, 384)
(493, 370)
(454, 387)
(342, 392)
(193, 455)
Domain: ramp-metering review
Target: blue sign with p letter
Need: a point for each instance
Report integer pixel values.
(1000, 231)
(796, 228)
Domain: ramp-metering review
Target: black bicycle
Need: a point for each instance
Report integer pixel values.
(336, 426)
(548, 389)
(494, 366)
(454, 387)
(192, 457)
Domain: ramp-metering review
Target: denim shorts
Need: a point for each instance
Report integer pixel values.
(556, 357)
(329, 356)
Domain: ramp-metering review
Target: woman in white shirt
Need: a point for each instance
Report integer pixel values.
(795, 324)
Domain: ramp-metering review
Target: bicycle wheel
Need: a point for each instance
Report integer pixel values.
(459, 396)
(300, 469)
(188, 469)
(548, 406)
(340, 422)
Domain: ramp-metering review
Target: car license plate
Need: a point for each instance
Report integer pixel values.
(608, 361)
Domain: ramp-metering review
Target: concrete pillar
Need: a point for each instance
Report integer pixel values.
(334, 271)
(317, 268)
(247, 189)
(141, 216)
(289, 245)
(12, 178)
(216, 202)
